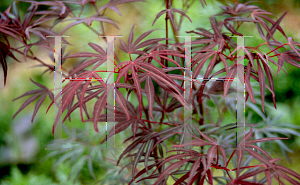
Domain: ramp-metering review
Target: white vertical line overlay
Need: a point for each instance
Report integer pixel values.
(57, 90)
(110, 89)
(240, 86)
(240, 95)
(188, 110)
(240, 105)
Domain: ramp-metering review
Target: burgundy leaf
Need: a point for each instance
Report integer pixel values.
(229, 78)
(224, 62)
(250, 174)
(248, 84)
(289, 171)
(223, 153)
(149, 89)
(114, 3)
(169, 169)
(265, 139)
(119, 127)
(141, 37)
(36, 91)
(134, 127)
(86, 99)
(210, 66)
(271, 81)
(37, 106)
(261, 77)
(285, 176)
(130, 147)
(198, 68)
(130, 37)
(193, 170)
(182, 179)
(26, 103)
(138, 88)
(137, 158)
(259, 157)
(121, 102)
(182, 13)
(269, 179)
(275, 26)
(82, 98)
(158, 15)
(98, 108)
(148, 152)
(204, 136)
(259, 149)
(211, 153)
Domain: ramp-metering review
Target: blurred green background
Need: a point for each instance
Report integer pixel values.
(24, 159)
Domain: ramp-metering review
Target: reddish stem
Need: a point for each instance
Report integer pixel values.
(226, 56)
(227, 47)
(224, 168)
(230, 157)
(276, 48)
(275, 55)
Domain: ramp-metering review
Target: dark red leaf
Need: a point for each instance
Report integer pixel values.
(248, 84)
(193, 170)
(211, 153)
(261, 77)
(37, 106)
(259, 157)
(149, 89)
(98, 108)
(229, 78)
(158, 15)
(27, 102)
(265, 139)
(169, 169)
(121, 102)
(275, 26)
(138, 88)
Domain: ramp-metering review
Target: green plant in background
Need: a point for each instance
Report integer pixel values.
(18, 178)
(149, 93)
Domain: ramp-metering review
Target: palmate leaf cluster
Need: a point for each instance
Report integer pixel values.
(155, 69)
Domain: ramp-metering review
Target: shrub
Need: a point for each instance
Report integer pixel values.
(156, 68)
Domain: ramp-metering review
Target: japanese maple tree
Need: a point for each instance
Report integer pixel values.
(155, 69)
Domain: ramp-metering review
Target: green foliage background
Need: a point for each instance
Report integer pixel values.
(22, 144)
